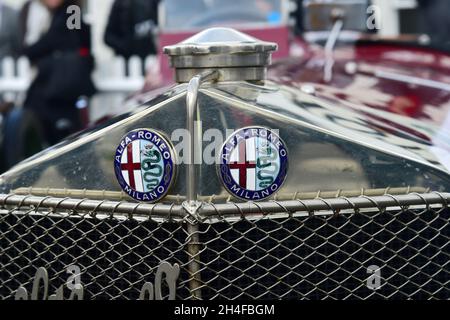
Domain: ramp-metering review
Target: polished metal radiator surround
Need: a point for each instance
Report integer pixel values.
(299, 249)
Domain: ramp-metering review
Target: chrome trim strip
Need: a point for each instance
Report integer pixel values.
(412, 80)
(329, 49)
(191, 106)
(191, 205)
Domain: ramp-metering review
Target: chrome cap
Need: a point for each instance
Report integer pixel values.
(235, 55)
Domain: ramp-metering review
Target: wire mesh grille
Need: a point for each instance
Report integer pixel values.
(263, 257)
(328, 257)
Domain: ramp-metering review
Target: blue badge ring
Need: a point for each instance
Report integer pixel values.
(150, 177)
(238, 188)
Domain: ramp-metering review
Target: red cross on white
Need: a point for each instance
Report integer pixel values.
(131, 166)
(243, 164)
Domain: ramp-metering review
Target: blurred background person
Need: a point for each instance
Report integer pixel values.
(64, 62)
(9, 42)
(131, 26)
(34, 21)
(9, 32)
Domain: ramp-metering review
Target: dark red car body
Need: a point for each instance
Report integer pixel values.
(396, 76)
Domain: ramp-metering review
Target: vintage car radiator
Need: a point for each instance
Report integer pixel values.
(310, 249)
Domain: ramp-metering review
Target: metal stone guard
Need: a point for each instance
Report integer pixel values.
(99, 208)
(210, 213)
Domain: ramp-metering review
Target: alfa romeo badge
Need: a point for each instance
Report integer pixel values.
(253, 163)
(144, 165)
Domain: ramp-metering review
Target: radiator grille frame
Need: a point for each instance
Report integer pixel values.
(298, 249)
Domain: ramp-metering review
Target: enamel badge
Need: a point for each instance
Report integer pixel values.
(144, 165)
(253, 163)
